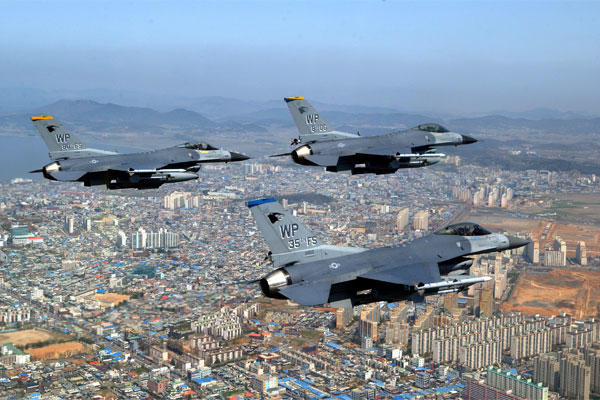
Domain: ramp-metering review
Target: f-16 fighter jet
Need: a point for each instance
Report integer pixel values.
(312, 273)
(73, 161)
(338, 151)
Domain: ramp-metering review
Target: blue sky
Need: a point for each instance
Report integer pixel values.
(457, 57)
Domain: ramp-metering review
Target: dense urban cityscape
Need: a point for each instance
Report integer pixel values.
(143, 294)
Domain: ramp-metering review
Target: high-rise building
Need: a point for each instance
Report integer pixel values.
(581, 254)
(530, 344)
(554, 258)
(478, 390)
(546, 368)
(138, 239)
(163, 239)
(402, 219)
(369, 321)
(86, 224)
(523, 388)
(121, 239)
(397, 333)
(575, 377)
(180, 200)
(561, 245)
(482, 354)
(579, 338)
(343, 317)
(421, 220)
(69, 226)
(533, 252)
(592, 360)
(503, 201)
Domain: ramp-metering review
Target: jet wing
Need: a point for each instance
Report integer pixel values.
(308, 294)
(406, 275)
(384, 151)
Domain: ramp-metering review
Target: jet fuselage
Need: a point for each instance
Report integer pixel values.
(373, 275)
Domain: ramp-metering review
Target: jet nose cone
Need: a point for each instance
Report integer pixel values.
(238, 156)
(515, 242)
(468, 139)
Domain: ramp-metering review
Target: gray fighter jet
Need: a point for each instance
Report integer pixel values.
(73, 161)
(312, 273)
(338, 151)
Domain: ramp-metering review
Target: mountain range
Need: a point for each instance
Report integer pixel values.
(262, 128)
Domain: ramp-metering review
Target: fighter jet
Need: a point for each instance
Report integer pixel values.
(312, 273)
(73, 161)
(338, 151)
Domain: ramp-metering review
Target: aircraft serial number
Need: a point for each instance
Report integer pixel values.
(75, 146)
(318, 128)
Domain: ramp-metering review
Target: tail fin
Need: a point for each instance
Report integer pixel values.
(288, 239)
(312, 126)
(282, 231)
(61, 142)
(58, 139)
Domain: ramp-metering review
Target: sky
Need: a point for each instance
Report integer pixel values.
(446, 57)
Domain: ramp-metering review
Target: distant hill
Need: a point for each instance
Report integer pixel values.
(498, 122)
(542, 113)
(108, 116)
(267, 127)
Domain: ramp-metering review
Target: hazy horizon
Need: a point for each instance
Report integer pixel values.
(455, 58)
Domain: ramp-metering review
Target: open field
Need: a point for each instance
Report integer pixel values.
(28, 336)
(575, 292)
(497, 220)
(111, 298)
(59, 350)
(542, 230)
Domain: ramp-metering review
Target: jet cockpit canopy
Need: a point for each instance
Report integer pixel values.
(437, 128)
(198, 146)
(463, 229)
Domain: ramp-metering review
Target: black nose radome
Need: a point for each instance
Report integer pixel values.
(468, 139)
(516, 242)
(238, 156)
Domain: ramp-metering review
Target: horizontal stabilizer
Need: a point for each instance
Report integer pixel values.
(406, 275)
(323, 160)
(66, 176)
(308, 294)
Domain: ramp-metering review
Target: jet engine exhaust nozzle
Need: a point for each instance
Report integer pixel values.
(52, 167)
(299, 155)
(270, 284)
